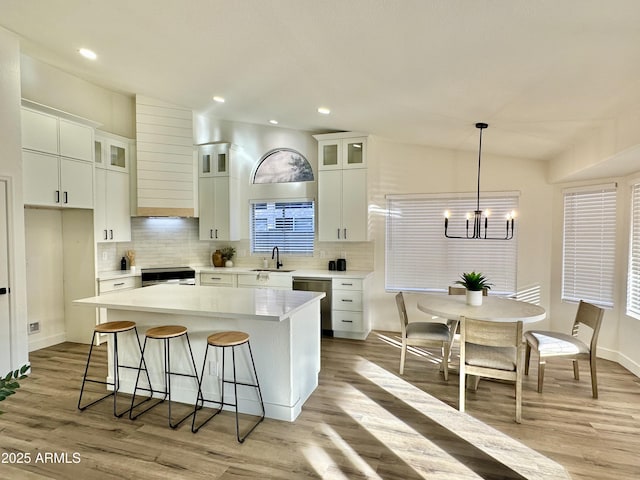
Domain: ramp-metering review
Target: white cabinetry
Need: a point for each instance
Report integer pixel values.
(349, 309)
(218, 279)
(218, 192)
(57, 161)
(112, 212)
(280, 281)
(342, 188)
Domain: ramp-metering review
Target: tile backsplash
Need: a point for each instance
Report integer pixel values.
(161, 242)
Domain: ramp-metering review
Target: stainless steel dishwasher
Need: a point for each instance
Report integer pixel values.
(318, 285)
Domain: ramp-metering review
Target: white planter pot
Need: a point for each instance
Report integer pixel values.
(474, 298)
(228, 264)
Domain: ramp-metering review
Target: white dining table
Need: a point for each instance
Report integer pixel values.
(493, 308)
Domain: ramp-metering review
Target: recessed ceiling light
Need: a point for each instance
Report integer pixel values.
(324, 111)
(86, 53)
(218, 99)
(273, 122)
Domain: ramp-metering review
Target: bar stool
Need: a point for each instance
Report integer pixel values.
(164, 333)
(227, 340)
(111, 328)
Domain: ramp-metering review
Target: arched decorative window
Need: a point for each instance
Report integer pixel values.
(283, 165)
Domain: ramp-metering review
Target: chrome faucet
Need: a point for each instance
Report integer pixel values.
(275, 253)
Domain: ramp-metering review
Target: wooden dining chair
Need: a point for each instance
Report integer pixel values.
(425, 334)
(562, 345)
(492, 350)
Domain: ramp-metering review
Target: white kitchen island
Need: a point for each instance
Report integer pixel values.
(284, 326)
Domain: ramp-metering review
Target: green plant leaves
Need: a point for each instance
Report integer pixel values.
(474, 281)
(9, 384)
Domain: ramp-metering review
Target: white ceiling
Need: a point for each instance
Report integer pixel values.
(542, 73)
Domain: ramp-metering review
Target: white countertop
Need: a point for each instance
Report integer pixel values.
(306, 273)
(223, 302)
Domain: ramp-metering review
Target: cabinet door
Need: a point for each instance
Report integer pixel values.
(40, 178)
(329, 154)
(354, 152)
(118, 155)
(213, 159)
(100, 228)
(354, 205)
(221, 208)
(76, 183)
(117, 206)
(39, 131)
(206, 207)
(330, 206)
(76, 140)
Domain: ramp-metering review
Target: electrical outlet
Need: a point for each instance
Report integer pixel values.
(343, 254)
(104, 256)
(323, 254)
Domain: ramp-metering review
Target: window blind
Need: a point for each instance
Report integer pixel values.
(589, 245)
(287, 225)
(420, 258)
(633, 281)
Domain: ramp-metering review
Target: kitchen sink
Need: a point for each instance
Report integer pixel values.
(271, 270)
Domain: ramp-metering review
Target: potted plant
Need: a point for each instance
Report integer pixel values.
(9, 383)
(475, 283)
(227, 255)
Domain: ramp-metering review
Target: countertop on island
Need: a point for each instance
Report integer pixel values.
(223, 302)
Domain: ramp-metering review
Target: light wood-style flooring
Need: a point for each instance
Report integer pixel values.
(351, 427)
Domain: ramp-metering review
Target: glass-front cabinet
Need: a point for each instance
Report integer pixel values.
(110, 152)
(214, 159)
(342, 153)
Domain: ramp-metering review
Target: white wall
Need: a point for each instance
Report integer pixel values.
(11, 169)
(401, 168)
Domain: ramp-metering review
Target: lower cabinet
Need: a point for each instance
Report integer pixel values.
(349, 310)
(265, 280)
(114, 285)
(219, 279)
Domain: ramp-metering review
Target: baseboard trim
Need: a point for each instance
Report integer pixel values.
(45, 342)
(620, 359)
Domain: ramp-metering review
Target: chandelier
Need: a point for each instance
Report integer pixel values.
(480, 221)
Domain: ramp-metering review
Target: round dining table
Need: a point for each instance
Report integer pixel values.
(493, 308)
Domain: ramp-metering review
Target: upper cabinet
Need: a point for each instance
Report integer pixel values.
(213, 159)
(112, 211)
(57, 160)
(218, 192)
(342, 188)
(111, 152)
(338, 153)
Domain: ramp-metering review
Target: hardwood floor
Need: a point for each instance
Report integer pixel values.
(351, 427)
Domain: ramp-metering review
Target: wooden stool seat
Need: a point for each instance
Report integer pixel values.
(114, 327)
(166, 331)
(227, 339)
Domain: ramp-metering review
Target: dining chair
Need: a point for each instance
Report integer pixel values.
(492, 350)
(557, 344)
(425, 334)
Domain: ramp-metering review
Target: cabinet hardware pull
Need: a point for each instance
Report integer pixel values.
(347, 284)
(110, 234)
(338, 234)
(211, 233)
(65, 195)
(118, 284)
(347, 300)
(106, 237)
(347, 321)
(345, 234)
(57, 196)
(3, 291)
(216, 233)
(216, 278)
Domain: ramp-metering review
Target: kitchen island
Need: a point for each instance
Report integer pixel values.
(284, 326)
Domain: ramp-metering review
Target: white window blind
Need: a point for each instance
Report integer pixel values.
(633, 281)
(589, 244)
(420, 258)
(287, 225)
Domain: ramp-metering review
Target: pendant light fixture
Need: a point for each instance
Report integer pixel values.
(480, 222)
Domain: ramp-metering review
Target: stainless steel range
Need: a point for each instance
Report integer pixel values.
(173, 275)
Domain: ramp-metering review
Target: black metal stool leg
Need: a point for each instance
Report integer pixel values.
(85, 380)
(150, 389)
